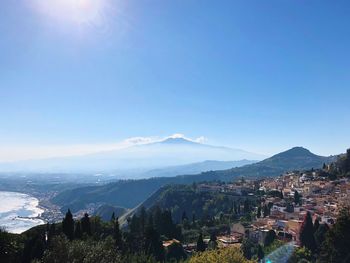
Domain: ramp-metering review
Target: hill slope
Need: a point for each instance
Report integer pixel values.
(130, 193)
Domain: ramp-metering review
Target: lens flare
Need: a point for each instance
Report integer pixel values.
(78, 12)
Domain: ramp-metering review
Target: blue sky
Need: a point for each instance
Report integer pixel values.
(259, 75)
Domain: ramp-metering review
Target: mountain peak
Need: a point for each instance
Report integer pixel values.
(177, 140)
(293, 153)
(299, 151)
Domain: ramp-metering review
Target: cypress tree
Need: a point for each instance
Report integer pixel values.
(77, 231)
(153, 244)
(296, 197)
(316, 225)
(265, 211)
(143, 220)
(85, 224)
(113, 217)
(320, 234)
(306, 234)
(68, 225)
(213, 244)
(258, 214)
(117, 235)
(200, 243)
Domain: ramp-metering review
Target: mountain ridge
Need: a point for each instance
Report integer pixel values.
(169, 152)
(120, 193)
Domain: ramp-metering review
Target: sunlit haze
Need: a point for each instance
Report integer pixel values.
(72, 11)
(264, 76)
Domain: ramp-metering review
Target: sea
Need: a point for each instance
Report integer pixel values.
(18, 212)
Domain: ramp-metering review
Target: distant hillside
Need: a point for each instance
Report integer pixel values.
(106, 211)
(131, 193)
(195, 168)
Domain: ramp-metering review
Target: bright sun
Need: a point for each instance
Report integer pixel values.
(72, 11)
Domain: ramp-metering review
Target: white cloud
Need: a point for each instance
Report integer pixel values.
(200, 139)
(26, 152)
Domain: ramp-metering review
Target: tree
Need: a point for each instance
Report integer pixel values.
(324, 167)
(260, 252)
(296, 197)
(289, 208)
(316, 225)
(270, 237)
(153, 244)
(85, 224)
(346, 164)
(117, 235)
(200, 243)
(246, 206)
(51, 232)
(258, 214)
(193, 219)
(184, 220)
(265, 211)
(213, 244)
(320, 234)
(68, 225)
(336, 246)
(143, 219)
(306, 235)
(175, 252)
(77, 231)
(247, 248)
(113, 217)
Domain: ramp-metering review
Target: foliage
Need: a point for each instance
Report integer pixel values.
(296, 197)
(270, 237)
(225, 255)
(273, 246)
(175, 252)
(336, 246)
(320, 234)
(301, 254)
(10, 247)
(63, 250)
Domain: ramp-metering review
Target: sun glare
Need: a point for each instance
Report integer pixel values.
(77, 12)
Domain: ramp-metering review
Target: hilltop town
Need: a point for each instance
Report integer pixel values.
(283, 203)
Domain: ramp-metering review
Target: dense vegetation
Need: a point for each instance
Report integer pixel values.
(229, 255)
